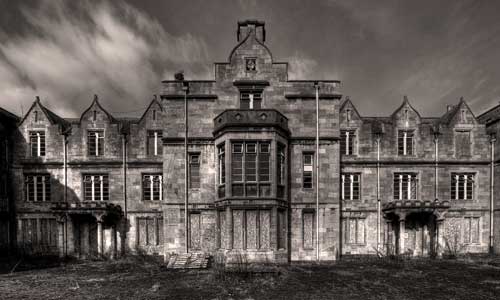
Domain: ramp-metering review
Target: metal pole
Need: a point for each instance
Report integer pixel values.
(378, 194)
(125, 209)
(492, 199)
(186, 188)
(316, 85)
(436, 160)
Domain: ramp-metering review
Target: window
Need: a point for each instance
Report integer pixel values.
(281, 176)
(251, 229)
(194, 171)
(307, 170)
(195, 230)
(347, 138)
(154, 114)
(405, 186)
(154, 146)
(152, 187)
(462, 144)
(37, 143)
(36, 116)
(350, 186)
(405, 142)
(354, 231)
(462, 186)
(221, 157)
(250, 169)
(471, 230)
(38, 188)
(250, 100)
(308, 232)
(95, 187)
(96, 142)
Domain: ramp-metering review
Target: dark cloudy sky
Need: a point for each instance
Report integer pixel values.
(66, 51)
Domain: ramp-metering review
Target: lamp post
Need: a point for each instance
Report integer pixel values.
(185, 88)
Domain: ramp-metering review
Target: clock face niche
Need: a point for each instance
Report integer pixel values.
(250, 64)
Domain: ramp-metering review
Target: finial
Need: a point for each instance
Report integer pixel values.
(95, 97)
(347, 98)
(405, 98)
(37, 98)
(155, 97)
(462, 99)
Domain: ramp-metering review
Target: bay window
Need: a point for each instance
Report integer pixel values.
(250, 169)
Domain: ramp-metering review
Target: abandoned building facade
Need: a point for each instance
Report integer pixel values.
(262, 173)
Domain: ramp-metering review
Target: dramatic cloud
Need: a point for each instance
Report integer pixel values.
(71, 51)
(301, 67)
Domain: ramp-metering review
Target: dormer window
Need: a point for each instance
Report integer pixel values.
(405, 142)
(37, 143)
(251, 64)
(154, 144)
(95, 140)
(250, 100)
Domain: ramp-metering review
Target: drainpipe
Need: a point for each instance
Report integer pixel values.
(124, 186)
(65, 196)
(436, 163)
(316, 86)
(492, 186)
(379, 210)
(185, 88)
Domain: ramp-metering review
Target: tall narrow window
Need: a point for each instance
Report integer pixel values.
(405, 186)
(348, 115)
(154, 142)
(194, 171)
(95, 187)
(307, 170)
(152, 187)
(281, 176)
(250, 169)
(221, 157)
(405, 142)
(462, 144)
(94, 116)
(154, 114)
(350, 186)
(38, 188)
(95, 140)
(308, 224)
(250, 100)
(462, 186)
(37, 143)
(347, 138)
(36, 116)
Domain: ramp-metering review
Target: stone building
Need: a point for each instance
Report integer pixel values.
(256, 183)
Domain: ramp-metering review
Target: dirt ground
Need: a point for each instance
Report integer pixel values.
(347, 279)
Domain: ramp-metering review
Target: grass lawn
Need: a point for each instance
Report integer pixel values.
(347, 279)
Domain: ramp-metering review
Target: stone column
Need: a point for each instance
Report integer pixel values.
(439, 237)
(402, 231)
(60, 236)
(100, 235)
(113, 242)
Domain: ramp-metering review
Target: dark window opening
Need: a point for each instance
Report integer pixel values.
(194, 171)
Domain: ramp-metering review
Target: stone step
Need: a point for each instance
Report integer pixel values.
(188, 261)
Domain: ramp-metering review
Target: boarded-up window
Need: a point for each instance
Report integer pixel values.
(282, 226)
(238, 227)
(462, 143)
(471, 230)
(194, 171)
(308, 229)
(48, 231)
(223, 230)
(265, 229)
(354, 231)
(252, 229)
(149, 231)
(29, 231)
(195, 231)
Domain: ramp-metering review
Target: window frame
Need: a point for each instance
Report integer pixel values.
(255, 98)
(348, 136)
(93, 188)
(244, 183)
(157, 135)
(470, 219)
(455, 186)
(351, 186)
(458, 154)
(347, 231)
(401, 190)
(99, 138)
(151, 187)
(313, 165)
(41, 140)
(46, 196)
(404, 140)
(191, 155)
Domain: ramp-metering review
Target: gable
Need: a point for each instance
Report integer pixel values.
(406, 116)
(349, 115)
(96, 114)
